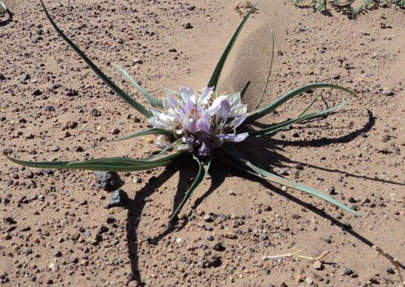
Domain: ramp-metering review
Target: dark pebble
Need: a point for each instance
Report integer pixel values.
(348, 272)
(95, 113)
(111, 220)
(36, 92)
(108, 181)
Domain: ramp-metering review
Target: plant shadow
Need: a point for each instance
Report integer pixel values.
(267, 155)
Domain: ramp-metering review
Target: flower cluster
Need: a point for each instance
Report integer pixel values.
(202, 121)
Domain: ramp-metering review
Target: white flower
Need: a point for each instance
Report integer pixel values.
(202, 122)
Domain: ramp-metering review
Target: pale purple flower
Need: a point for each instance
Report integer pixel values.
(203, 120)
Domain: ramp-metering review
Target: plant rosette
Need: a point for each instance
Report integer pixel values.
(204, 125)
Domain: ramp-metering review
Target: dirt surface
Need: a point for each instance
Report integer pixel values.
(54, 227)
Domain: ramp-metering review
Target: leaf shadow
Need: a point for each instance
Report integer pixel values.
(135, 207)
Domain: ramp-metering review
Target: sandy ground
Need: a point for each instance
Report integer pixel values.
(54, 229)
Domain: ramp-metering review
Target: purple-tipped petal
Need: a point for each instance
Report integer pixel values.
(235, 138)
(238, 121)
(223, 110)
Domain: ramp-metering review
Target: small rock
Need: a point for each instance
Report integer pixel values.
(54, 267)
(108, 181)
(348, 272)
(219, 247)
(138, 61)
(215, 261)
(208, 218)
(390, 270)
(117, 199)
(95, 113)
(56, 86)
(9, 220)
(36, 92)
(55, 148)
(71, 92)
(58, 253)
(2, 77)
(283, 172)
(111, 220)
(25, 77)
(317, 265)
(188, 25)
(388, 92)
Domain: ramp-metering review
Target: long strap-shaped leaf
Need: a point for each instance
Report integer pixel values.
(269, 108)
(4, 9)
(152, 100)
(247, 166)
(218, 69)
(285, 124)
(202, 172)
(103, 164)
(269, 73)
(153, 131)
(140, 108)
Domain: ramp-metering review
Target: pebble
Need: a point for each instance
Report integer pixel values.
(54, 267)
(36, 92)
(219, 247)
(55, 148)
(58, 253)
(317, 265)
(111, 220)
(95, 113)
(208, 218)
(188, 25)
(25, 77)
(117, 199)
(71, 92)
(108, 181)
(388, 92)
(347, 272)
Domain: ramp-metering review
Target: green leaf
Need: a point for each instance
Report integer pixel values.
(140, 108)
(102, 164)
(271, 107)
(218, 69)
(247, 166)
(269, 74)
(4, 9)
(152, 100)
(170, 91)
(202, 172)
(153, 131)
(285, 124)
(243, 91)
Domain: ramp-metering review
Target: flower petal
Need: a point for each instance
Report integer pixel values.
(235, 138)
(205, 96)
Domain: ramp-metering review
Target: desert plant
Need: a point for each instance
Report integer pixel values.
(321, 5)
(204, 125)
